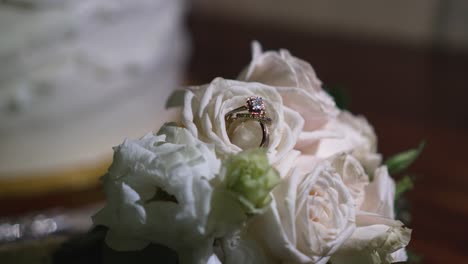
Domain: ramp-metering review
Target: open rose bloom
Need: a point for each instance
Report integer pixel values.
(317, 192)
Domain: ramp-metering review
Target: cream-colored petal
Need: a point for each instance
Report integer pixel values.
(353, 175)
(380, 194)
(372, 244)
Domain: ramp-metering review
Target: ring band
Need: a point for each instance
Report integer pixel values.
(255, 108)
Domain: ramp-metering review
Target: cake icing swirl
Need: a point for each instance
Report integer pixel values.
(68, 62)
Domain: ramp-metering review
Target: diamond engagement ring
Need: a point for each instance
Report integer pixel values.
(253, 110)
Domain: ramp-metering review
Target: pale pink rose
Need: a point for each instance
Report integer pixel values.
(353, 175)
(299, 87)
(354, 135)
(378, 238)
(310, 217)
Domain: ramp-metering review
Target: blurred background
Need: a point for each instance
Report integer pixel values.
(403, 65)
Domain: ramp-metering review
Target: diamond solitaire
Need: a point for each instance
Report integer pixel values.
(253, 110)
(255, 105)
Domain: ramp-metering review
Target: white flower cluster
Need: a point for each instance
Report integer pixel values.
(319, 195)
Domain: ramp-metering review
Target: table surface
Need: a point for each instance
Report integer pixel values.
(407, 93)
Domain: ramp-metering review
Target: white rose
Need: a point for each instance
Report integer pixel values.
(280, 69)
(353, 175)
(299, 87)
(310, 217)
(240, 247)
(373, 245)
(158, 191)
(205, 108)
(378, 237)
(354, 135)
(380, 194)
(349, 168)
(213, 260)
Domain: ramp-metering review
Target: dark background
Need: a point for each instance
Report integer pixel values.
(409, 93)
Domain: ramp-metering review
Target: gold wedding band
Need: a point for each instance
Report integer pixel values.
(254, 109)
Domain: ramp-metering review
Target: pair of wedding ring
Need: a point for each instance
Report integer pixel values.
(253, 110)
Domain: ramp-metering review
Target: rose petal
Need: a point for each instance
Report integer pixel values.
(380, 194)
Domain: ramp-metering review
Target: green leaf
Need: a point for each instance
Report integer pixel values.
(414, 258)
(402, 161)
(402, 209)
(403, 185)
(340, 95)
(175, 99)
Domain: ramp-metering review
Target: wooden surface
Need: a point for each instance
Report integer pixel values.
(407, 93)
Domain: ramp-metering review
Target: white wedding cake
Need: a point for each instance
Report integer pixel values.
(78, 76)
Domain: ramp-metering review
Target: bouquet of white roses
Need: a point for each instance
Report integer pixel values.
(262, 169)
